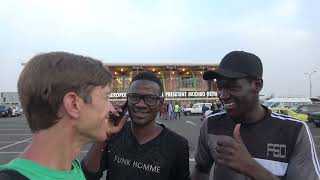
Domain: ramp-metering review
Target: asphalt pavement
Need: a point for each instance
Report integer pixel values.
(15, 135)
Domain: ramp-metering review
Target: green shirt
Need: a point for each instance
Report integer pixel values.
(35, 171)
(176, 108)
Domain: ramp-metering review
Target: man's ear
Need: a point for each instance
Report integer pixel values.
(161, 99)
(71, 104)
(258, 85)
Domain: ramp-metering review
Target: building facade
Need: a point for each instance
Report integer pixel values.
(9, 98)
(182, 83)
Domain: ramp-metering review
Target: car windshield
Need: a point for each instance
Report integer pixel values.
(294, 108)
(267, 104)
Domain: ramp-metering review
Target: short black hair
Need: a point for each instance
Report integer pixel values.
(148, 76)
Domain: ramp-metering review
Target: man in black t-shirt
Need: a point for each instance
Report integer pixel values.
(144, 149)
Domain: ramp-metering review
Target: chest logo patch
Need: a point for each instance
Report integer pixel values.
(136, 164)
(276, 150)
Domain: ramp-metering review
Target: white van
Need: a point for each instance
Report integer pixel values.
(196, 109)
(286, 102)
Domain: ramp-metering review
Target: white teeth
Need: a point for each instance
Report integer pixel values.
(228, 105)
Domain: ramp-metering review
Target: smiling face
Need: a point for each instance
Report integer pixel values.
(94, 116)
(144, 102)
(238, 96)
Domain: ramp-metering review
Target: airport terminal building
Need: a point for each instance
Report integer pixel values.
(182, 82)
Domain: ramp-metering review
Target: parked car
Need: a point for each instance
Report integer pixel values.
(315, 100)
(286, 102)
(289, 112)
(196, 109)
(4, 111)
(16, 111)
(307, 109)
(315, 117)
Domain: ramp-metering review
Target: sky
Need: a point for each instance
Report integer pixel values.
(285, 34)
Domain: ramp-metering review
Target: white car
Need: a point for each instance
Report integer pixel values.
(16, 111)
(196, 109)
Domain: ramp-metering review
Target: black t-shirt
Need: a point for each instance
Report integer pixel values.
(11, 175)
(166, 157)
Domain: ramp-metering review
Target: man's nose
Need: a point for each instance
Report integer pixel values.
(141, 103)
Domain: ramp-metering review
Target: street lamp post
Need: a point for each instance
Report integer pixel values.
(310, 81)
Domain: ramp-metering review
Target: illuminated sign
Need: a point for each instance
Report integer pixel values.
(181, 94)
(118, 95)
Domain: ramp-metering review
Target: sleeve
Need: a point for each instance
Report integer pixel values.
(203, 157)
(182, 165)
(304, 162)
(99, 174)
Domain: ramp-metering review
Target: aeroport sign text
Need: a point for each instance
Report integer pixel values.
(181, 94)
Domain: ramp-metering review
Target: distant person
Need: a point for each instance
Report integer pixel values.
(144, 149)
(219, 107)
(248, 141)
(204, 108)
(176, 110)
(65, 98)
(10, 111)
(170, 111)
(164, 111)
(213, 107)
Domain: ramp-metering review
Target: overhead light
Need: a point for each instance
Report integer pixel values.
(153, 69)
(115, 73)
(159, 72)
(183, 69)
(172, 72)
(187, 72)
(121, 70)
(201, 72)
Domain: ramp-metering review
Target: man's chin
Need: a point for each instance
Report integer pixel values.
(232, 113)
(96, 139)
(140, 122)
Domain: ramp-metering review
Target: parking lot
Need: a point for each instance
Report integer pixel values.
(15, 135)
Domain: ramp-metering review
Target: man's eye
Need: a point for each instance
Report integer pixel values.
(134, 98)
(151, 98)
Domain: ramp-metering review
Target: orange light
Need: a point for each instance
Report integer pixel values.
(183, 69)
(153, 69)
(159, 72)
(121, 70)
(187, 72)
(115, 73)
(172, 72)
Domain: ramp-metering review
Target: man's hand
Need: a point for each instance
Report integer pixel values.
(233, 152)
(115, 126)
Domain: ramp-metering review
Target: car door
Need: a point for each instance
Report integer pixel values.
(303, 109)
(197, 108)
